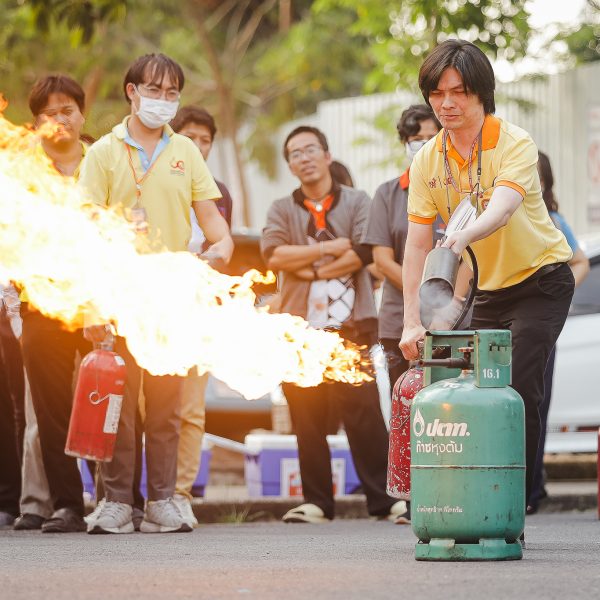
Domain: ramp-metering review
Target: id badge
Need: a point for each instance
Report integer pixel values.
(139, 219)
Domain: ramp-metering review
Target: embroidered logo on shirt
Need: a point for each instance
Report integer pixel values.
(432, 183)
(177, 167)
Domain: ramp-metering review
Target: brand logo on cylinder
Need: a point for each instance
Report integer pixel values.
(438, 428)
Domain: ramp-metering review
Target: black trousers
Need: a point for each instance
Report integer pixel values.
(535, 311)
(537, 490)
(396, 363)
(49, 353)
(360, 412)
(13, 371)
(10, 461)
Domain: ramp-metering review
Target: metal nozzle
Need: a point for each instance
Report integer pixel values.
(439, 278)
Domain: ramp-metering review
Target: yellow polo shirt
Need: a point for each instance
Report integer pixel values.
(178, 177)
(509, 157)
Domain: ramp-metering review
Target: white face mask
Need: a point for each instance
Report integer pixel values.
(155, 114)
(413, 147)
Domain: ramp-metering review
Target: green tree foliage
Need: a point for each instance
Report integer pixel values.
(258, 62)
(82, 16)
(400, 34)
(583, 41)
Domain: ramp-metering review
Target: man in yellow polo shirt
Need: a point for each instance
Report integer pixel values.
(154, 175)
(525, 283)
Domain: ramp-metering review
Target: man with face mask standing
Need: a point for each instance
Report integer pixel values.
(386, 231)
(155, 176)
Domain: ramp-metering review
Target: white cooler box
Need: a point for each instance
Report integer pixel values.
(272, 469)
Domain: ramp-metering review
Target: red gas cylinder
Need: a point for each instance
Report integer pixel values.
(398, 475)
(96, 406)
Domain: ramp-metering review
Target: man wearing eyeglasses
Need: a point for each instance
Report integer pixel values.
(154, 175)
(312, 238)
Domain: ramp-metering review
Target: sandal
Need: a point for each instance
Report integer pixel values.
(399, 513)
(305, 513)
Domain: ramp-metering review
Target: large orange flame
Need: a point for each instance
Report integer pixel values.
(76, 260)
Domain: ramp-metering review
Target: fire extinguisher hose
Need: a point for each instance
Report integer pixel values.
(472, 291)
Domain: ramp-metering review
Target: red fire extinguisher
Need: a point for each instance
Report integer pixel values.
(97, 405)
(398, 476)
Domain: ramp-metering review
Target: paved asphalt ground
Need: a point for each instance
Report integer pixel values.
(345, 559)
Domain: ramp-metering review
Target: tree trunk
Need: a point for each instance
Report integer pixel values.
(226, 109)
(285, 15)
(91, 85)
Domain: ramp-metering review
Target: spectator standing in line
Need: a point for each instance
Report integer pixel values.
(10, 454)
(386, 232)
(521, 255)
(312, 239)
(580, 266)
(156, 176)
(199, 125)
(49, 350)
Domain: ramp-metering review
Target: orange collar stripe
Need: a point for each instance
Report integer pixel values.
(489, 139)
(405, 179)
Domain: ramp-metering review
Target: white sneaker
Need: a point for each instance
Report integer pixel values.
(114, 517)
(184, 504)
(163, 516)
(91, 518)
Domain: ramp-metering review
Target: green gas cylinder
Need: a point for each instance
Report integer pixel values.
(468, 451)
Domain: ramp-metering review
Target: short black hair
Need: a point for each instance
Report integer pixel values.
(54, 84)
(411, 119)
(473, 65)
(194, 114)
(305, 129)
(157, 66)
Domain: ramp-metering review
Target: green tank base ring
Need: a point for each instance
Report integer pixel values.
(486, 549)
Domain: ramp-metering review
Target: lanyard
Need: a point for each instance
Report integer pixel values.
(450, 176)
(138, 182)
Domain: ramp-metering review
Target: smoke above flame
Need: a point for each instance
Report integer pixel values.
(77, 261)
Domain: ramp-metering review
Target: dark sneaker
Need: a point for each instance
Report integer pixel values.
(64, 520)
(29, 522)
(6, 520)
(522, 540)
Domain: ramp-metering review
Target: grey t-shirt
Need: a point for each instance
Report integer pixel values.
(388, 226)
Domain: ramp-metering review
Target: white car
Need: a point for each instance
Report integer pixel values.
(574, 416)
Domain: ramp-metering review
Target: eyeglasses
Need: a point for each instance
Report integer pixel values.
(156, 93)
(311, 151)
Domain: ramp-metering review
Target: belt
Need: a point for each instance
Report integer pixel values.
(548, 269)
